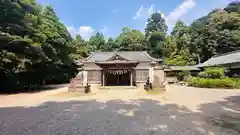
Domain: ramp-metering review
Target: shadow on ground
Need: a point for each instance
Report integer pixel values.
(36, 90)
(225, 114)
(116, 117)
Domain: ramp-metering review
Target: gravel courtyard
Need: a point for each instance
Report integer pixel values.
(178, 111)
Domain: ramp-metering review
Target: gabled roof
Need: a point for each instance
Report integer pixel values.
(117, 61)
(141, 56)
(116, 57)
(227, 58)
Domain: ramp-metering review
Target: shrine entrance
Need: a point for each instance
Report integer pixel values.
(118, 77)
(117, 71)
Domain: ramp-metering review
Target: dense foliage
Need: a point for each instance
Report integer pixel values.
(213, 73)
(35, 46)
(213, 77)
(37, 49)
(228, 83)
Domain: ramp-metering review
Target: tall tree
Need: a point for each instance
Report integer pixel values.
(111, 45)
(96, 42)
(181, 34)
(79, 48)
(131, 40)
(177, 46)
(34, 46)
(216, 33)
(155, 33)
(155, 23)
(225, 30)
(156, 44)
(233, 7)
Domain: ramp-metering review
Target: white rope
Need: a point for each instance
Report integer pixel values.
(118, 72)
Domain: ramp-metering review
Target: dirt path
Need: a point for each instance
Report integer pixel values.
(189, 97)
(178, 110)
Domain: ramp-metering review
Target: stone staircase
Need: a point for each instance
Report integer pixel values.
(76, 84)
(117, 87)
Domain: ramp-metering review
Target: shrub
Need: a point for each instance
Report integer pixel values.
(181, 75)
(213, 72)
(214, 83)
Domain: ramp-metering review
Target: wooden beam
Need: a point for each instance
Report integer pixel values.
(131, 81)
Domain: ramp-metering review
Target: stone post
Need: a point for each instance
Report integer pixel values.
(85, 78)
(151, 74)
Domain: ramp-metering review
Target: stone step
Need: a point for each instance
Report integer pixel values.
(117, 87)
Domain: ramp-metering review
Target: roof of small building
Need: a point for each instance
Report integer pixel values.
(182, 68)
(116, 61)
(227, 58)
(128, 55)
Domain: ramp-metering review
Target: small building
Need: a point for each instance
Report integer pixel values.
(230, 61)
(173, 72)
(129, 68)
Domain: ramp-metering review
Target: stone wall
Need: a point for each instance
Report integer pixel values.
(158, 77)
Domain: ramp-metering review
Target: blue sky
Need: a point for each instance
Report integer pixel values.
(87, 17)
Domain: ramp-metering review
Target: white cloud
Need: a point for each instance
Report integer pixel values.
(144, 12)
(139, 12)
(104, 30)
(151, 9)
(179, 11)
(85, 31)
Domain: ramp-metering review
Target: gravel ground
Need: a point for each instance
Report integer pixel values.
(179, 111)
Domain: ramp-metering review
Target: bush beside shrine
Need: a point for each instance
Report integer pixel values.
(214, 78)
(228, 83)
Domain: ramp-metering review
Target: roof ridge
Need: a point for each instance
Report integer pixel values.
(89, 56)
(116, 51)
(224, 54)
(150, 57)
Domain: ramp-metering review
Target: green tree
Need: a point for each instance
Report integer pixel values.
(155, 23)
(79, 48)
(110, 45)
(225, 29)
(201, 45)
(34, 46)
(131, 40)
(181, 34)
(170, 47)
(179, 45)
(156, 44)
(233, 7)
(216, 33)
(155, 33)
(96, 42)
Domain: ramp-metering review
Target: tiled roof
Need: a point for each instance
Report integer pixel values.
(182, 68)
(129, 55)
(116, 61)
(228, 58)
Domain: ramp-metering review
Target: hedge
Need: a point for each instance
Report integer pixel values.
(213, 72)
(229, 83)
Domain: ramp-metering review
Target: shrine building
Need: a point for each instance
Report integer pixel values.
(129, 68)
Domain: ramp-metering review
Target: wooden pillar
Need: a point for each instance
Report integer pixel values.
(153, 74)
(103, 77)
(131, 78)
